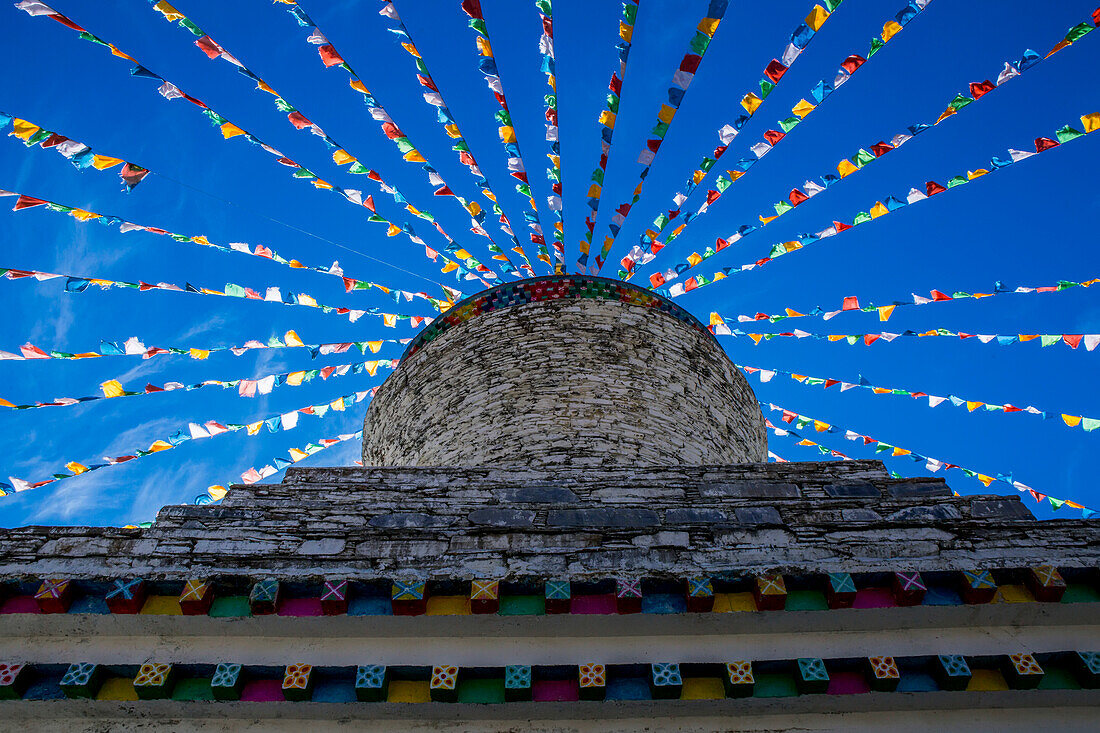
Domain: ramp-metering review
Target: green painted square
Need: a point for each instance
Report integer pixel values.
(1077, 593)
(230, 606)
(806, 600)
(192, 689)
(522, 606)
(1058, 678)
(481, 691)
(774, 685)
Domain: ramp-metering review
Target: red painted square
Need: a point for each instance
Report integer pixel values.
(262, 691)
(847, 683)
(555, 691)
(874, 598)
(300, 607)
(20, 604)
(601, 604)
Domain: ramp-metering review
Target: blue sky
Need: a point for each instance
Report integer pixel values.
(1032, 224)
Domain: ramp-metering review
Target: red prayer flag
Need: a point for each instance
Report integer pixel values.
(870, 338)
(472, 8)
(690, 63)
(932, 188)
(211, 49)
(937, 295)
(616, 84)
(369, 203)
(978, 89)
(774, 136)
(840, 226)
(690, 284)
(298, 120)
(656, 279)
(881, 148)
(775, 70)
(26, 202)
(851, 303)
(712, 196)
(796, 197)
(444, 191)
(852, 63)
(1072, 340)
(53, 139)
(1044, 143)
(653, 145)
(329, 56)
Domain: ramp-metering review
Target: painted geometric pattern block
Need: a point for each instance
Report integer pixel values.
(841, 590)
(1022, 672)
(628, 595)
(334, 597)
(298, 682)
(264, 598)
(81, 680)
(952, 671)
(126, 595)
(371, 682)
(227, 682)
(196, 598)
(409, 598)
(559, 593)
(665, 681)
(484, 596)
(700, 595)
(12, 681)
(770, 592)
(153, 681)
(1088, 669)
(593, 681)
(812, 675)
(444, 684)
(739, 681)
(908, 588)
(1046, 583)
(54, 596)
(517, 682)
(884, 675)
(978, 586)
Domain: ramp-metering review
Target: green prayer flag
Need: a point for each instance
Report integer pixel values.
(862, 158)
(957, 181)
(659, 130)
(876, 44)
(722, 183)
(960, 101)
(700, 42)
(765, 88)
(1067, 133)
(1050, 339)
(788, 124)
(861, 217)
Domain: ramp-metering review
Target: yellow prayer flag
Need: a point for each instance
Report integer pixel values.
(817, 18)
(291, 338)
(170, 14)
(262, 86)
(607, 118)
(946, 113)
(846, 168)
(879, 209)
(254, 428)
(374, 346)
(751, 102)
(890, 30)
(625, 31)
(216, 492)
(836, 337)
(411, 49)
(698, 176)
(463, 254)
(792, 246)
(159, 446)
(24, 130)
(230, 130)
(358, 86)
(342, 157)
(294, 379)
(337, 404)
(800, 378)
(594, 191)
(694, 259)
(414, 156)
(885, 312)
(452, 131)
(389, 320)
(881, 390)
(794, 313)
(666, 113)
(708, 26)
(715, 319)
(756, 337)
(372, 367)
(1091, 122)
(304, 299)
(318, 183)
(821, 427)
(83, 215)
(451, 266)
(5, 403)
(973, 405)
(483, 46)
(1057, 47)
(719, 276)
(507, 134)
(901, 452)
(767, 219)
(296, 454)
(103, 162)
(802, 109)
(76, 468)
(987, 480)
(112, 388)
(393, 230)
(199, 354)
(971, 175)
(1071, 420)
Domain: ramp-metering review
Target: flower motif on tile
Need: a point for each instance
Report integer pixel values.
(370, 675)
(1091, 661)
(9, 672)
(666, 673)
(592, 675)
(740, 673)
(78, 674)
(884, 668)
(813, 669)
(297, 676)
(954, 665)
(226, 675)
(152, 674)
(1025, 664)
(517, 676)
(444, 677)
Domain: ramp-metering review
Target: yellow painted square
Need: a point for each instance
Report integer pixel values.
(703, 688)
(448, 606)
(117, 688)
(162, 606)
(986, 680)
(731, 602)
(1013, 594)
(409, 691)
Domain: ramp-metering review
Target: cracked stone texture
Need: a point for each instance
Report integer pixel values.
(512, 523)
(571, 382)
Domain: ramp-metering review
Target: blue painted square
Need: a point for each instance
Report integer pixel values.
(329, 690)
(628, 688)
(369, 606)
(89, 604)
(917, 682)
(938, 595)
(663, 603)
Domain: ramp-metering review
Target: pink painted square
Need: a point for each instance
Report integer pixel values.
(555, 690)
(20, 604)
(262, 691)
(874, 598)
(300, 607)
(601, 604)
(847, 683)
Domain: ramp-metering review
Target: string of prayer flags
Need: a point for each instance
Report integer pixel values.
(24, 201)
(299, 121)
(866, 155)
(80, 155)
(852, 303)
(252, 475)
(487, 65)
(1087, 424)
(719, 327)
(607, 127)
(113, 388)
(803, 441)
(1090, 122)
(771, 76)
(434, 97)
(80, 283)
(168, 90)
(553, 171)
(193, 431)
(775, 458)
(932, 464)
(681, 80)
(821, 91)
(134, 346)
